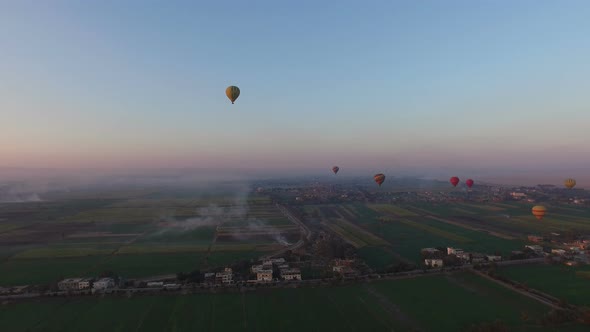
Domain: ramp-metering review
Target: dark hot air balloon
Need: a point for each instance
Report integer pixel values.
(379, 178)
(469, 183)
(232, 92)
(335, 169)
(454, 181)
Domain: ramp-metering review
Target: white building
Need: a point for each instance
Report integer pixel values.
(225, 277)
(493, 258)
(534, 247)
(73, 284)
(464, 256)
(434, 262)
(155, 284)
(104, 283)
(429, 250)
(454, 251)
(291, 274)
(258, 268)
(559, 252)
(517, 195)
(264, 275)
(274, 261)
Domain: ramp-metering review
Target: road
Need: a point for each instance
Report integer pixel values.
(306, 233)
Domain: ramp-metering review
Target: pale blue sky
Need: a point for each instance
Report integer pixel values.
(361, 84)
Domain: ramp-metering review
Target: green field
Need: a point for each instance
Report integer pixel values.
(560, 281)
(425, 303)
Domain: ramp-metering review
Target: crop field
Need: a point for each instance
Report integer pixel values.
(563, 282)
(135, 233)
(399, 305)
(509, 218)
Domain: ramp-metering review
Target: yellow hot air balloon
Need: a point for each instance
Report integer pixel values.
(569, 183)
(232, 92)
(539, 211)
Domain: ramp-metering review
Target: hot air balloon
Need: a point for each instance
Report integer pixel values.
(335, 169)
(454, 181)
(469, 183)
(539, 211)
(569, 183)
(232, 92)
(379, 178)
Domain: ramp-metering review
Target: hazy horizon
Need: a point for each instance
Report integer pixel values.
(474, 89)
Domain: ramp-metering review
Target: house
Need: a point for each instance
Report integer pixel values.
(493, 258)
(534, 247)
(274, 261)
(264, 275)
(258, 268)
(517, 195)
(454, 251)
(477, 258)
(291, 274)
(559, 252)
(571, 263)
(464, 256)
(155, 284)
(209, 278)
(433, 262)
(225, 277)
(535, 238)
(73, 284)
(103, 283)
(429, 250)
(171, 286)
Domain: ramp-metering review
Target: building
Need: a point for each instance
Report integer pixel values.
(454, 251)
(465, 256)
(429, 250)
(477, 258)
(103, 283)
(155, 284)
(225, 277)
(534, 247)
(434, 262)
(73, 284)
(274, 261)
(517, 195)
(493, 258)
(291, 274)
(264, 275)
(559, 252)
(258, 268)
(209, 277)
(535, 238)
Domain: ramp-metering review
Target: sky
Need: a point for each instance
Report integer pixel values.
(406, 86)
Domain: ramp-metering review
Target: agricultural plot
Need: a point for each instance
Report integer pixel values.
(399, 305)
(563, 282)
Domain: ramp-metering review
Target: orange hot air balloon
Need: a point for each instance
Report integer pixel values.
(569, 183)
(335, 169)
(539, 211)
(379, 178)
(454, 181)
(469, 183)
(232, 92)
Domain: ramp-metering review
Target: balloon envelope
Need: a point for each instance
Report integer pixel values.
(539, 211)
(569, 183)
(454, 181)
(335, 169)
(469, 183)
(379, 178)
(232, 92)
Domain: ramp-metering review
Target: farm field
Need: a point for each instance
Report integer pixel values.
(400, 305)
(135, 233)
(563, 282)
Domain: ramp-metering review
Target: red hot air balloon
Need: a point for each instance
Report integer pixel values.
(469, 183)
(379, 178)
(454, 181)
(335, 169)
